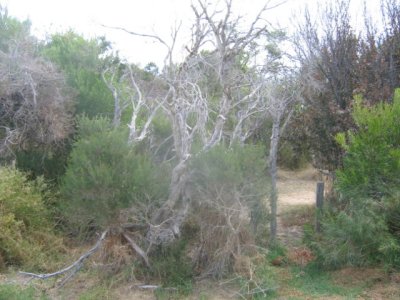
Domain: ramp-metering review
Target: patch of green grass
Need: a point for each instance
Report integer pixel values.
(314, 282)
(15, 292)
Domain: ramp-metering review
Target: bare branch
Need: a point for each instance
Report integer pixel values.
(137, 249)
(74, 267)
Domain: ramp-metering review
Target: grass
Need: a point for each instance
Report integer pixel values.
(96, 292)
(298, 215)
(15, 292)
(313, 282)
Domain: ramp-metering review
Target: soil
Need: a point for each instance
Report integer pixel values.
(296, 187)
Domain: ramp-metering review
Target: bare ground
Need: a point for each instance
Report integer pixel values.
(295, 188)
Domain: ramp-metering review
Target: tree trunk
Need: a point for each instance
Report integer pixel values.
(273, 152)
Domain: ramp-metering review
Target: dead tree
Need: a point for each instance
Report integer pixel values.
(281, 93)
(190, 99)
(129, 89)
(35, 103)
(204, 91)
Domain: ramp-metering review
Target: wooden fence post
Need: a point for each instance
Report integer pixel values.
(319, 205)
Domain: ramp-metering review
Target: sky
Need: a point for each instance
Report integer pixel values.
(87, 17)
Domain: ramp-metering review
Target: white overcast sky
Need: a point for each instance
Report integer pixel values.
(145, 16)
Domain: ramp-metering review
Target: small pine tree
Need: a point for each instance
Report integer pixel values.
(364, 228)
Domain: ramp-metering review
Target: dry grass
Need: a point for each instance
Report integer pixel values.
(377, 283)
(298, 215)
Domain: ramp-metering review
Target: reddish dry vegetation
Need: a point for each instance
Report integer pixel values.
(300, 256)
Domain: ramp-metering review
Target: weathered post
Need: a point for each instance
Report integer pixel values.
(319, 205)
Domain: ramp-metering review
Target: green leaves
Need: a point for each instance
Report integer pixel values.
(26, 232)
(372, 163)
(365, 229)
(105, 174)
(82, 60)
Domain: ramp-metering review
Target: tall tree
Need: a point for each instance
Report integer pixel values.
(83, 60)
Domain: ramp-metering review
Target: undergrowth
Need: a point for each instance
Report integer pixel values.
(314, 282)
(27, 236)
(15, 292)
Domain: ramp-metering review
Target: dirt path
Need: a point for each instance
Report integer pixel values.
(295, 188)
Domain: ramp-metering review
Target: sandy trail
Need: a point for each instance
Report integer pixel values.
(296, 187)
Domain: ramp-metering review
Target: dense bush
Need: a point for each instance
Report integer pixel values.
(105, 175)
(363, 226)
(372, 162)
(26, 232)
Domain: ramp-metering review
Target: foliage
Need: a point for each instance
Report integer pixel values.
(82, 61)
(26, 236)
(362, 228)
(372, 164)
(293, 156)
(50, 164)
(357, 238)
(11, 30)
(14, 292)
(105, 175)
(172, 266)
(336, 63)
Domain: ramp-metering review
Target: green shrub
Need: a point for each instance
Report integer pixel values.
(357, 238)
(362, 227)
(371, 167)
(26, 232)
(105, 174)
(50, 163)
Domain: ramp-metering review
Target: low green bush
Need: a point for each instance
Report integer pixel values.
(105, 174)
(26, 232)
